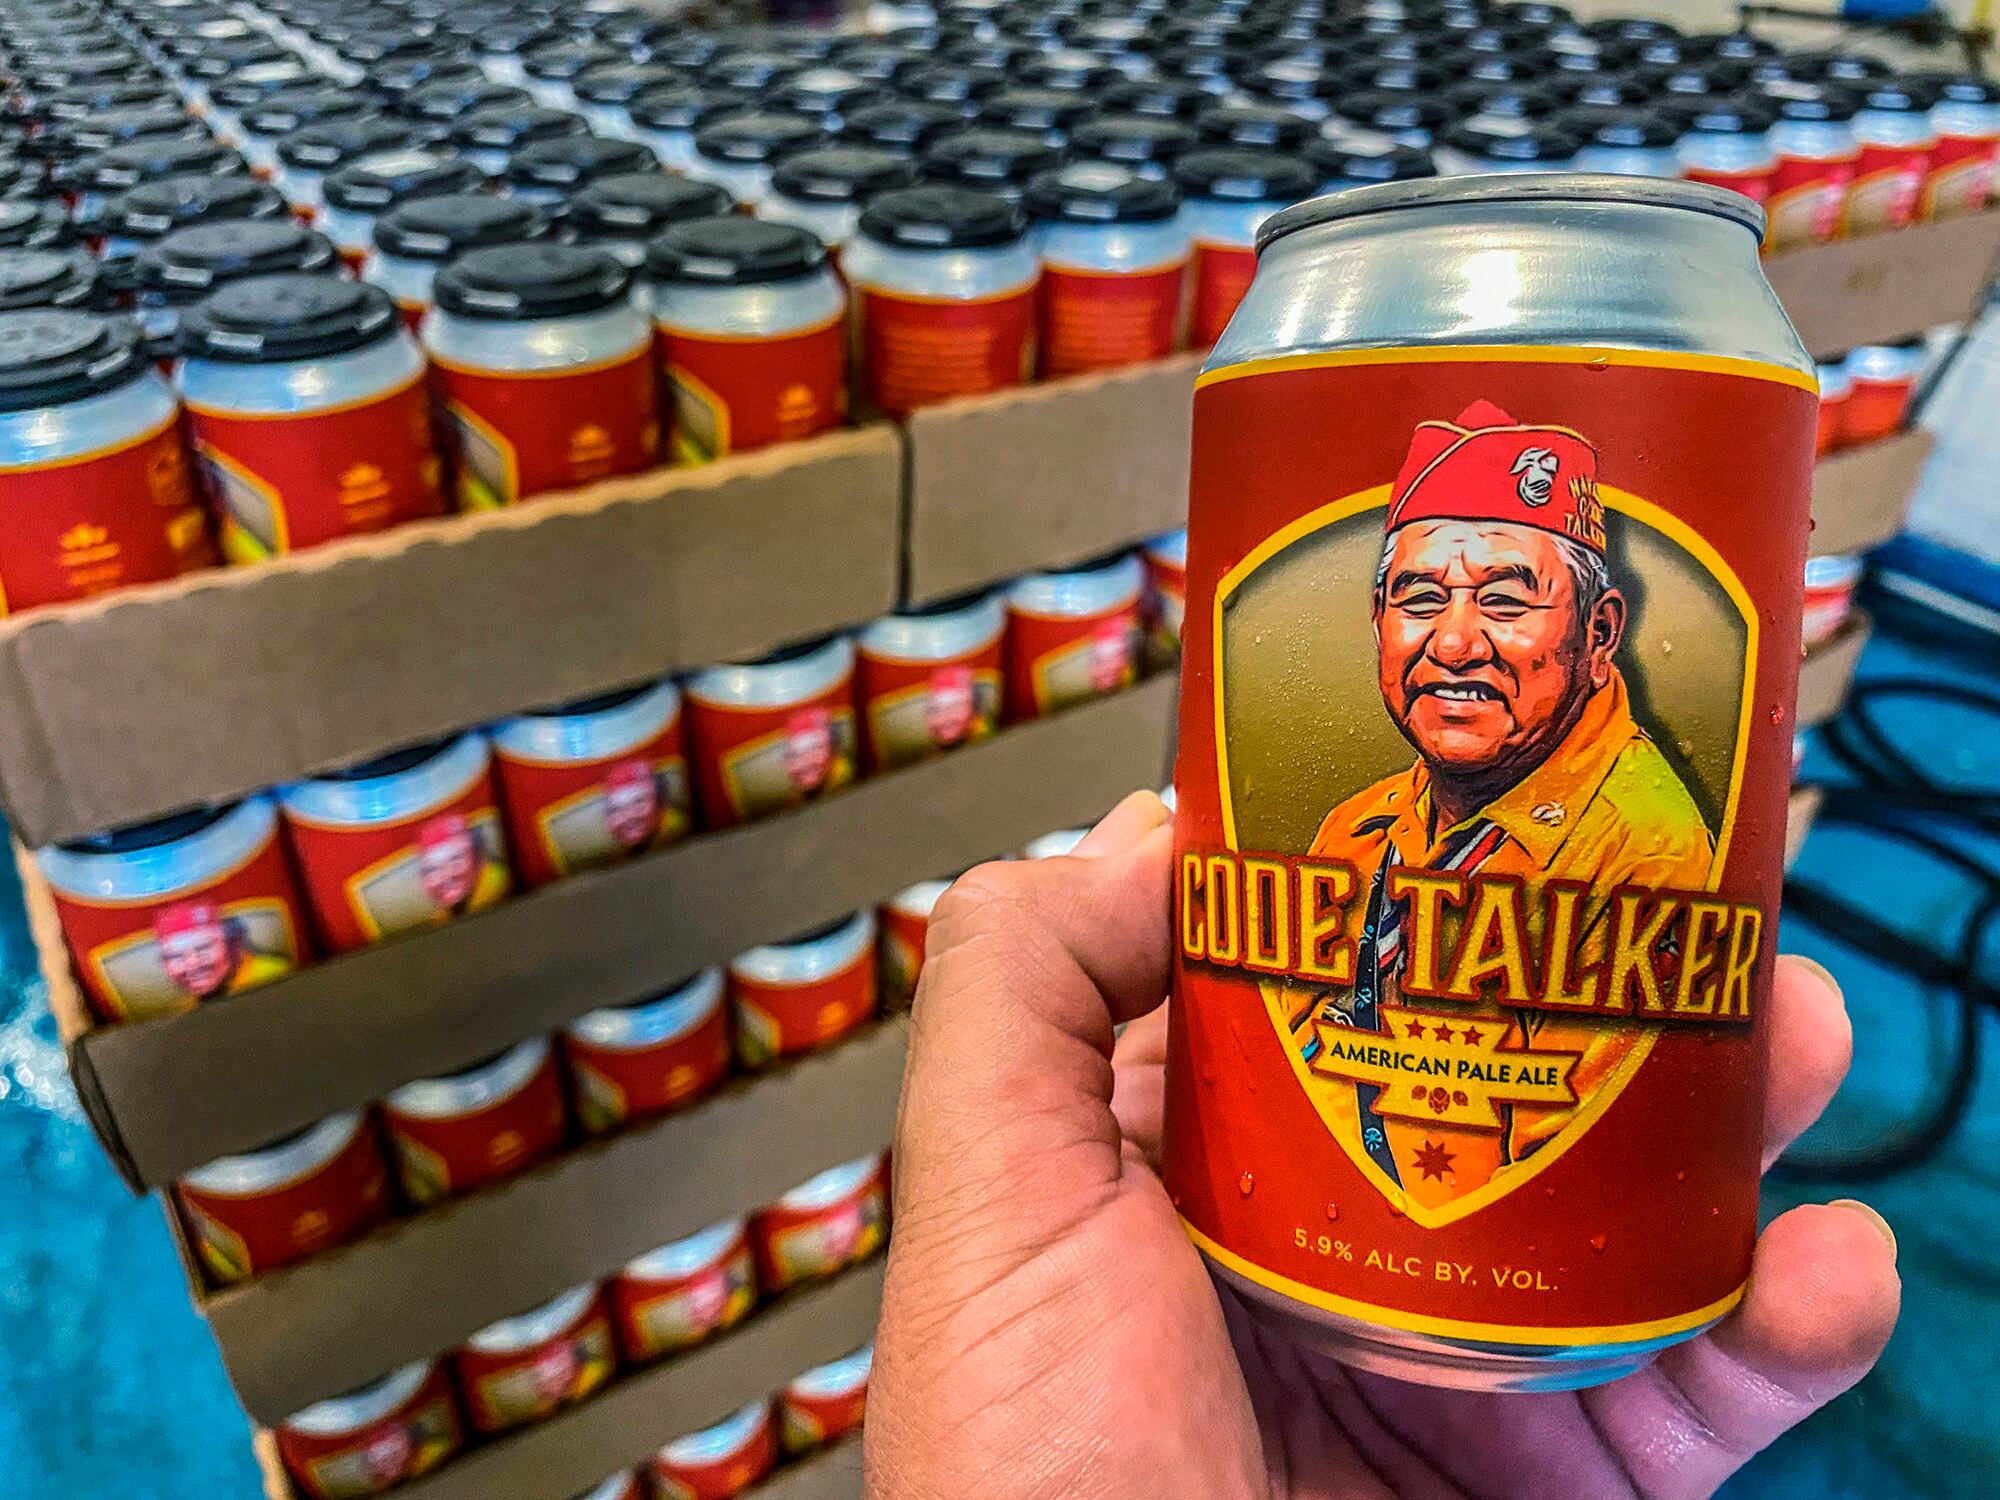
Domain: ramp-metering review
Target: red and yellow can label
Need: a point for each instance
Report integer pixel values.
(504, 1391)
(918, 351)
(1099, 320)
(808, 1420)
(1057, 661)
(1887, 189)
(1485, 745)
(657, 1316)
(916, 709)
(779, 1020)
(804, 1244)
(1222, 275)
(616, 1084)
(238, 1236)
(733, 394)
(411, 1440)
(439, 1157)
(722, 1477)
(1958, 178)
(1807, 195)
(520, 433)
(1754, 185)
(571, 815)
(753, 761)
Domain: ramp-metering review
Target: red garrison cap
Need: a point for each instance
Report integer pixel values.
(1488, 467)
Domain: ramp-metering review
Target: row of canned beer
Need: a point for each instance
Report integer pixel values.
(527, 1367)
(161, 915)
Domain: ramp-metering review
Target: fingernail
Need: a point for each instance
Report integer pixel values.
(1816, 967)
(1122, 827)
(1881, 1224)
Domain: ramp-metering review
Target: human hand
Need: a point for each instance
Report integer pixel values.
(1048, 1332)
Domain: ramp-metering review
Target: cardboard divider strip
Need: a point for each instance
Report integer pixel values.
(1828, 671)
(1799, 815)
(1861, 494)
(1879, 288)
(172, 1093)
(153, 699)
(419, 1286)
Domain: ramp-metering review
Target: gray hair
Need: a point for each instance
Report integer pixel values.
(1587, 570)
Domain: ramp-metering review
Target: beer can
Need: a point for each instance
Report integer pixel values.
(822, 188)
(186, 265)
(1228, 193)
(81, 100)
(145, 215)
(414, 240)
(502, 47)
(751, 327)
(26, 225)
(524, 1368)
(823, 1226)
(408, 839)
(1881, 379)
(905, 921)
(773, 733)
(1815, 153)
(254, 1212)
(674, 1297)
(1072, 635)
(826, 95)
(1829, 596)
(394, 79)
(92, 470)
(946, 280)
(1114, 250)
(431, 110)
(1254, 127)
(374, 1437)
(626, 1484)
(883, 60)
(667, 119)
(1624, 141)
(739, 150)
(461, 1131)
(160, 916)
(552, 172)
(1896, 136)
(231, 103)
(719, 1462)
(70, 143)
(109, 173)
(593, 781)
(603, 90)
(1958, 178)
(953, 86)
(1147, 144)
(308, 154)
(50, 278)
(546, 368)
(1492, 1015)
(1835, 386)
(904, 126)
(1726, 142)
(308, 410)
(1377, 117)
(1050, 114)
(804, 992)
(1165, 559)
(1001, 162)
(930, 678)
(270, 119)
(620, 214)
(357, 194)
(826, 1403)
(629, 1061)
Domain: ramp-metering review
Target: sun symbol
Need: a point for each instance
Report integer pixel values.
(1433, 1160)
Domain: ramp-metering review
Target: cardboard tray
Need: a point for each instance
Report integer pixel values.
(1885, 287)
(1828, 671)
(422, 1284)
(154, 699)
(626, 1423)
(169, 1094)
(1860, 495)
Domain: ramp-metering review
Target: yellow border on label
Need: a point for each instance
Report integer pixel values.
(1517, 354)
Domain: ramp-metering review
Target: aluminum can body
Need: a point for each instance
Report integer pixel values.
(1438, 1017)
(524, 1368)
(823, 1226)
(1829, 599)
(1813, 169)
(1958, 178)
(459, 1132)
(773, 734)
(1890, 171)
(905, 921)
(676, 1296)
(826, 1403)
(807, 992)
(372, 1439)
(629, 1061)
(1880, 379)
(1072, 636)
(1166, 595)
(930, 680)
(1111, 295)
(719, 1462)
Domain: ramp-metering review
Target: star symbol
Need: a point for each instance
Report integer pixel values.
(1471, 1037)
(1433, 1160)
(1443, 1033)
(1417, 1030)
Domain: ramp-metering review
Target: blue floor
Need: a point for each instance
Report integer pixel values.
(110, 1387)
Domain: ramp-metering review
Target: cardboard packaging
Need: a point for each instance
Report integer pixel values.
(1860, 495)
(1883, 287)
(1828, 671)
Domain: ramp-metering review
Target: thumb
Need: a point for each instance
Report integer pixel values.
(1005, 1126)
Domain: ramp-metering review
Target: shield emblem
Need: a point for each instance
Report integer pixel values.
(949, 710)
(387, 1454)
(1110, 653)
(631, 802)
(808, 746)
(447, 860)
(555, 1371)
(195, 947)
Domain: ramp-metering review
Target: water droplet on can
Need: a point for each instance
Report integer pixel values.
(1598, 1242)
(1332, 1212)
(1246, 1184)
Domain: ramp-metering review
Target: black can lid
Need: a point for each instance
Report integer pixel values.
(395, 77)
(1256, 125)
(241, 91)
(986, 157)
(951, 83)
(1514, 101)
(1795, 99)
(1396, 77)
(1911, 93)
(1296, 80)
(1848, 67)
(825, 91)
(814, 934)
(1035, 109)
(392, 763)
(842, 174)
(1707, 76)
(27, 224)
(630, 28)
(1630, 28)
(1165, 98)
(80, 67)
(570, 161)
(637, 205)
(137, 836)
(1607, 90)
(596, 703)
(1383, 109)
(1722, 114)
(760, 136)
(1235, 175)
(1100, 192)
(881, 62)
(903, 125)
(102, 129)
(690, 50)
(563, 60)
(50, 355)
(733, 250)
(1132, 138)
(618, 82)
(991, 52)
(443, 103)
(48, 278)
(508, 127)
(1534, 15)
(1342, 161)
(681, 106)
(1539, 143)
(1962, 88)
(1070, 71)
(1746, 46)
(273, 319)
(439, 228)
(153, 209)
(188, 262)
(750, 69)
(367, 48)
(508, 282)
(81, 99)
(943, 217)
(286, 110)
(144, 160)
(221, 59)
(325, 146)
(1623, 126)
(373, 183)
(513, 36)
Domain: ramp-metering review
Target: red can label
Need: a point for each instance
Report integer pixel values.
(523, 433)
(238, 1236)
(917, 709)
(809, 1420)
(778, 1020)
(440, 1157)
(1832, 415)
(1056, 661)
(87, 525)
(734, 394)
(1222, 275)
(658, 1316)
(1888, 184)
(752, 761)
(1874, 409)
(1470, 1043)
(411, 1440)
(367, 881)
(1806, 200)
(1958, 178)
(1166, 605)
(138, 959)
(570, 815)
(1098, 320)
(799, 1244)
(1756, 186)
(504, 1391)
(282, 480)
(903, 939)
(616, 1084)
(722, 1477)
(918, 351)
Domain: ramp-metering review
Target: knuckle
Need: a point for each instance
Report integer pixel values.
(987, 898)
